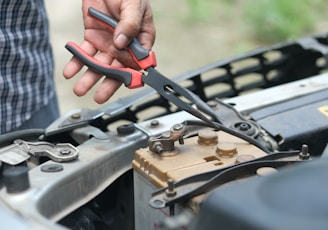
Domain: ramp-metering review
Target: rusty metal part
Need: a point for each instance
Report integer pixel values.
(165, 141)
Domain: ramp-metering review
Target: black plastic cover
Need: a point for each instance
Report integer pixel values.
(294, 198)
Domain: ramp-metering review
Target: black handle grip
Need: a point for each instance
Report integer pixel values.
(137, 50)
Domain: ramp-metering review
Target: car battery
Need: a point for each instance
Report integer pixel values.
(208, 150)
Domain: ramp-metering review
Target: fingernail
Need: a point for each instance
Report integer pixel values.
(121, 41)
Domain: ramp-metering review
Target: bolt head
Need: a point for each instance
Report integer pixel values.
(154, 123)
(178, 127)
(75, 116)
(65, 151)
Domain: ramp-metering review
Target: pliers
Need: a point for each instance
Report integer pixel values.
(132, 78)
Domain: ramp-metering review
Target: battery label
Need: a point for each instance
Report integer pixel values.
(324, 110)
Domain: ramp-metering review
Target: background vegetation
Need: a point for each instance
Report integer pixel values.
(267, 21)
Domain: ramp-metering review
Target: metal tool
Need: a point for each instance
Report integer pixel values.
(146, 60)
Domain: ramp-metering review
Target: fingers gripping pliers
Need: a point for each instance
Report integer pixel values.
(132, 78)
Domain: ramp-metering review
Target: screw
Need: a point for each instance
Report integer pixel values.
(75, 116)
(304, 154)
(212, 103)
(154, 123)
(177, 127)
(170, 191)
(170, 184)
(65, 151)
(158, 148)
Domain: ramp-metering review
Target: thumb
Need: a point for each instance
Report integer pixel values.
(129, 24)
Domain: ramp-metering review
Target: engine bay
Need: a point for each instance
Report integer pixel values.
(140, 163)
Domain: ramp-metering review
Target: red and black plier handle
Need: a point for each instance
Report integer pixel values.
(131, 78)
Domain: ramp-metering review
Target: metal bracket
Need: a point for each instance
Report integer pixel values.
(20, 151)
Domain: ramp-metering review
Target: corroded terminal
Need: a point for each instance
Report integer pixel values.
(164, 143)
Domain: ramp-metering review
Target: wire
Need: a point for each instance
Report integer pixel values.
(28, 134)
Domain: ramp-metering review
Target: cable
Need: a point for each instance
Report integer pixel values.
(27, 134)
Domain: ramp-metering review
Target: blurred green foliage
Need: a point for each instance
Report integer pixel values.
(266, 20)
(200, 10)
(278, 20)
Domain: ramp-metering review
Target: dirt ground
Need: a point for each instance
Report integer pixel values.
(182, 43)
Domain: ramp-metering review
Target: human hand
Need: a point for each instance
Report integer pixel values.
(135, 20)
